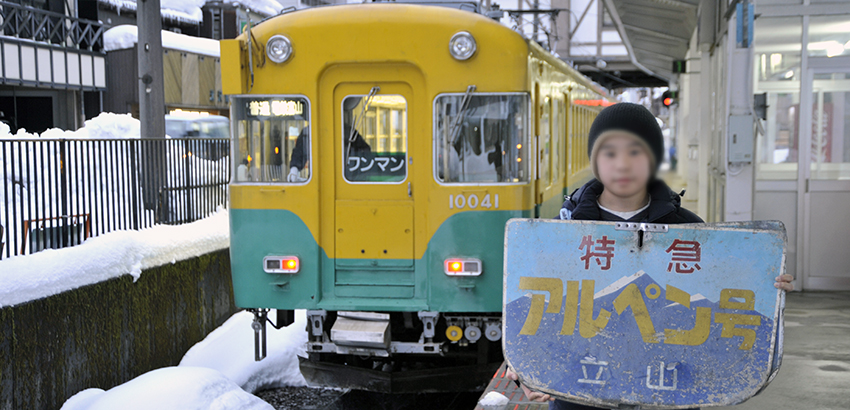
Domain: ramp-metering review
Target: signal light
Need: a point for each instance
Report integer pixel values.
(669, 98)
(463, 267)
(281, 264)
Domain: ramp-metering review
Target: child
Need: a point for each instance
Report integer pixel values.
(625, 146)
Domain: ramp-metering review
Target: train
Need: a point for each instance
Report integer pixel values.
(379, 150)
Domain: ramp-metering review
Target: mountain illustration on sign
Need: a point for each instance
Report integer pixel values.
(563, 358)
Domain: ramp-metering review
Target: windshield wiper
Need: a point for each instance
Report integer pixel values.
(458, 123)
(352, 134)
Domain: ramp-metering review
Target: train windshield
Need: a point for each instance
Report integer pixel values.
(271, 138)
(485, 142)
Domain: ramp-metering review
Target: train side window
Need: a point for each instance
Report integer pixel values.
(271, 139)
(374, 138)
(485, 143)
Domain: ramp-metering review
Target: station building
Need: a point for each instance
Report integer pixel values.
(761, 118)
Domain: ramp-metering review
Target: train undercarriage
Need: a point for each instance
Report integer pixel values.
(395, 352)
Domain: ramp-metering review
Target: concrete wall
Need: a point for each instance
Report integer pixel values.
(105, 334)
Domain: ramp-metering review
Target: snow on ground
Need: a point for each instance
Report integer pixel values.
(126, 36)
(229, 349)
(170, 388)
(217, 373)
(494, 400)
(30, 277)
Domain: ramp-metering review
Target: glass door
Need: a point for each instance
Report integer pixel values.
(825, 169)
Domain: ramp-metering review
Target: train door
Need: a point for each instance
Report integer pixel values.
(373, 192)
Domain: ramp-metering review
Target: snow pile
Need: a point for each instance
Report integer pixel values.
(126, 36)
(170, 388)
(108, 126)
(30, 277)
(228, 350)
(493, 400)
(217, 373)
(105, 126)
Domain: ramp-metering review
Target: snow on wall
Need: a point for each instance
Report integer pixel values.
(30, 277)
(125, 36)
(170, 388)
(229, 350)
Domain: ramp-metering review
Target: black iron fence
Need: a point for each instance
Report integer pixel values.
(56, 193)
(46, 26)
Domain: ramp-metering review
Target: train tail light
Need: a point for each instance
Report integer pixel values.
(463, 267)
(281, 264)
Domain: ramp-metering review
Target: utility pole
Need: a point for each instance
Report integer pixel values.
(151, 97)
(151, 92)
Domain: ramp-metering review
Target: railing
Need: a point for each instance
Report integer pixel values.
(56, 193)
(50, 27)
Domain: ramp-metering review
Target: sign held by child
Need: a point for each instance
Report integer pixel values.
(644, 314)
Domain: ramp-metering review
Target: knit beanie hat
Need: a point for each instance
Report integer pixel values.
(634, 119)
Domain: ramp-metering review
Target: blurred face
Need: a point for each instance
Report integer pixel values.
(623, 165)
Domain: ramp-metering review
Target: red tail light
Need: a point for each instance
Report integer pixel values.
(463, 267)
(281, 264)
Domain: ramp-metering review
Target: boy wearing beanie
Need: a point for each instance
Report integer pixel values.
(625, 147)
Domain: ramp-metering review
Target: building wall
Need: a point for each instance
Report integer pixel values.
(189, 79)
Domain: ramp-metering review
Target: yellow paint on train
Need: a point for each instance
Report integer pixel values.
(346, 50)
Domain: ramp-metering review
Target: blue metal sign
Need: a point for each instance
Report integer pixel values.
(676, 316)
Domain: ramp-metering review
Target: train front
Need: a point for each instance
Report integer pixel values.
(378, 151)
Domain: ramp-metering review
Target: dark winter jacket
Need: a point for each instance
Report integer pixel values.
(665, 206)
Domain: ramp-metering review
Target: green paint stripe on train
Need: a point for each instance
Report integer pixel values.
(324, 283)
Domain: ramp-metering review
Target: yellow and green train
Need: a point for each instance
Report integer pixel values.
(378, 151)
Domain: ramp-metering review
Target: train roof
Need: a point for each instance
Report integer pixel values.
(447, 13)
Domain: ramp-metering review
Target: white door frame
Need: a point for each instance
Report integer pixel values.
(815, 65)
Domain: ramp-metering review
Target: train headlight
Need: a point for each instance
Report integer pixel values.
(279, 48)
(462, 45)
(462, 267)
(281, 264)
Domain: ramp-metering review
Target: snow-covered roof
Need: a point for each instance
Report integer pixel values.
(189, 11)
(264, 7)
(126, 36)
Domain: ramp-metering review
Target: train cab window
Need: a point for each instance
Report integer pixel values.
(374, 138)
(487, 142)
(271, 139)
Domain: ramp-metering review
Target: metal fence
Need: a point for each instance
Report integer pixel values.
(58, 192)
(46, 26)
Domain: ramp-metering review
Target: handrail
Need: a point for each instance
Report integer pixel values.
(45, 26)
